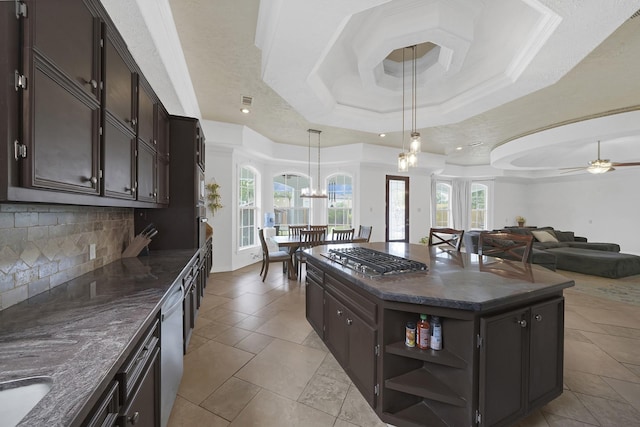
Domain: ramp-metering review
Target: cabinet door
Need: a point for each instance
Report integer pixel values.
(146, 113)
(118, 85)
(143, 410)
(119, 161)
(187, 320)
(162, 135)
(71, 48)
(335, 333)
(362, 359)
(315, 305)
(502, 367)
(546, 350)
(62, 137)
(146, 173)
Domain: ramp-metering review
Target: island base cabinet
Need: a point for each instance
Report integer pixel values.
(353, 344)
(520, 361)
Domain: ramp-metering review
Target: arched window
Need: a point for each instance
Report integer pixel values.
(340, 202)
(247, 207)
(443, 205)
(289, 208)
(479, 203)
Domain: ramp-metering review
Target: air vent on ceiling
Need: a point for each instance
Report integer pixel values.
(635, 15)
(247, 101)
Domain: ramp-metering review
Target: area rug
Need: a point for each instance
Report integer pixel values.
(623, 290)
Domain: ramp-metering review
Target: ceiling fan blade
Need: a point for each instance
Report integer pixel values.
(569, 170)
(625, 164)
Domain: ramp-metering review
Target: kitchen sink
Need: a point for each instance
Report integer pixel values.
(18, 397)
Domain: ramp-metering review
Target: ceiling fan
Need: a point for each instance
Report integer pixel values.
(599, 165)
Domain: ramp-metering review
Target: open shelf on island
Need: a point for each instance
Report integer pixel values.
(441, 357)
(418, 415)
(420, 382)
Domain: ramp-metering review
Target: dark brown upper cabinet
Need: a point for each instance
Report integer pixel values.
(119, 83)
(162, 132)
(119, 145)
(60, 103)
(147, 190)
(146, 113)
(74, 50)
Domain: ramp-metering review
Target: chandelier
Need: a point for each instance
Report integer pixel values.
(407, 159)
(313, 193)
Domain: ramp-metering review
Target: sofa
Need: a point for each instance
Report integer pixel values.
(564, 250)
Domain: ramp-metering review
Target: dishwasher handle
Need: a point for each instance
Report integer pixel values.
(174, 307)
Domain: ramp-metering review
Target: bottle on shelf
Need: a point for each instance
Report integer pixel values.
(424, 334)
(436, 333)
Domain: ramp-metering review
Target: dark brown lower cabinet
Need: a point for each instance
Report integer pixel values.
(107, 409)
(521, 363)
(315, 301)
(143, 409)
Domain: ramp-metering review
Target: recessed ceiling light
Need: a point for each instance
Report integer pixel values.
(382, 135)
(458, 148)
(245, 110)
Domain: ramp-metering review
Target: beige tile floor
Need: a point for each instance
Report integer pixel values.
(253, 360)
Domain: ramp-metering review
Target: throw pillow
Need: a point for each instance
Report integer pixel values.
(564, 236)
(544, 236)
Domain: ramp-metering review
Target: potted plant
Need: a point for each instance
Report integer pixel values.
(213, 197)
(521, 220)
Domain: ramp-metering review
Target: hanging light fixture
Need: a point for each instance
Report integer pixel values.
(415, 142)
(403, 158)
(314, 193)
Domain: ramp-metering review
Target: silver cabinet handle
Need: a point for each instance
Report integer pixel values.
(522, 323)
(538, 317)
(93, 180)
(339, 312)
(93, 83)
(349, 322)
(134, 418)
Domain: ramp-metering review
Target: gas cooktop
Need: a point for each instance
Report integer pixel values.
(373, 263)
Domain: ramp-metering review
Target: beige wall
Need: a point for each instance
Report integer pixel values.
(43, 246)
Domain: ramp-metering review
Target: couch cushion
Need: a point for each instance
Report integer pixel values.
(544, 236)
(598, 263)
(549, 245)
(564, 236)
(596, 246)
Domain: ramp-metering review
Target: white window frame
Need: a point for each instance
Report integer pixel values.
(252, 209)
(449, 209)
(348, 212)
(305, 204)
(485, 225)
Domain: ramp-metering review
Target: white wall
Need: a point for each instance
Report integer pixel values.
(602, 208)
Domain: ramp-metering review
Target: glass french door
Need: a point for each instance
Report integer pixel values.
(397, 209)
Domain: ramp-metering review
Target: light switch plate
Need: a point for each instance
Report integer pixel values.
(92, 251)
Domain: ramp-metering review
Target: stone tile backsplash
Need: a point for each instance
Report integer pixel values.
(42, 246)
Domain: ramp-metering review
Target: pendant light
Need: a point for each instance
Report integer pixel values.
(415, 142)
(403, 159)
(314, 193)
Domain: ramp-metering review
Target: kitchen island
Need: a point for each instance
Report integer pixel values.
(81, 333)
(502, 328)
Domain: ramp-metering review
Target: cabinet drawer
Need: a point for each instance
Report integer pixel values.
(105, 414)
(363, 307)
(314, 273)
(130, 373)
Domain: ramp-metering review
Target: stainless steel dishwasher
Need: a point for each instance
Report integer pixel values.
(170, 352)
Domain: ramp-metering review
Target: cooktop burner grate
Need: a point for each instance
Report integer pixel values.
(373, 262)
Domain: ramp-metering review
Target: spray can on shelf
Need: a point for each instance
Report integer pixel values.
(410, 334)
(436, 333)
(424, 334)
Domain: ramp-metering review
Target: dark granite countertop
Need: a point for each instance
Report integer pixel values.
(78, 332)
(454, 279)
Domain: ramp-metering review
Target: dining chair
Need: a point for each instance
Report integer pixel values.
(364, 232)
(273, 256)
(319, 227)
(511, 246)
(346, 234)
(308, 239)
(446, 236)
(294, 230)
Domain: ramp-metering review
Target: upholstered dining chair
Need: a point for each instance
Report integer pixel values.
(346, 234)
(446, 236)
(364, 232)
(308, 239)
(511, 246)
(274, 256)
